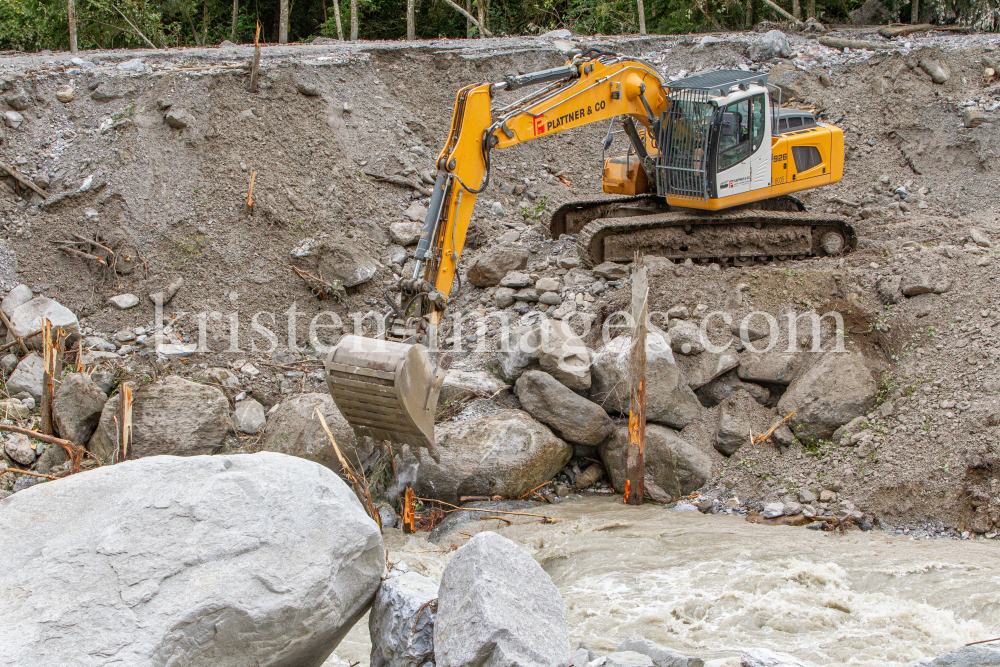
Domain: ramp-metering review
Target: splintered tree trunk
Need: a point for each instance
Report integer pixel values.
(411, 20)
(915, 11)
(71, 16)
(642, 17)
(336, 17)
(236, 15)
(797, 10)
(354, 20)
(283, 22)
(635, 465)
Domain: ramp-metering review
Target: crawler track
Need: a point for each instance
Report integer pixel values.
(779, 229)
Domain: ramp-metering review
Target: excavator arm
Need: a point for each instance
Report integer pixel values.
(388, 388)
(584, 91)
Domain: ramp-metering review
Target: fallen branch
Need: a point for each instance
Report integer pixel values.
(19, 341)
(781, 12)
(75, 452)
(456, 508)
(137, 31)
(838, 200)
(23, 180)
(496, 518)
(983, 641)
(891, 31)
(482, 28)
(81, 254)
(767, 436)
(841, 43)
(359, 482)
(401, 182)
(533, 490)
(26, 472)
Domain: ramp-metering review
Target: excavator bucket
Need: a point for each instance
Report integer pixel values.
(386, 390)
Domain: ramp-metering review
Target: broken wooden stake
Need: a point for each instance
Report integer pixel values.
(635, 467)
(255, 67)
(125, 421)
(48, 377)
(409, 514)
(253, 177)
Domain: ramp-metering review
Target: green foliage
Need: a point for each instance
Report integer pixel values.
(33, 25)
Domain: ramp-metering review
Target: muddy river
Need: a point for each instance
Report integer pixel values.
(713, 586)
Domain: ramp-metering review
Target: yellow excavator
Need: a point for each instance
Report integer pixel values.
(708, 172)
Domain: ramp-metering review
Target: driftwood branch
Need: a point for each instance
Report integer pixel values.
(75, 452)
(22, 179)
(26, 472)
(891, 31)
(475, 22)
(840, 43)
(401, 182)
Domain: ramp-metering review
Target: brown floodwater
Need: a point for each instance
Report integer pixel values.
(714, 586)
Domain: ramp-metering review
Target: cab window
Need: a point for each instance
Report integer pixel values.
(735, 140)
(759, 109)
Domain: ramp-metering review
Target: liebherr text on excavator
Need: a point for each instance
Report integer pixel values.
(710, 166)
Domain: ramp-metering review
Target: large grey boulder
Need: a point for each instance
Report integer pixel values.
(832, 392)
(661, 656)
(728, 384)
(772, 44)
(401, 621)
(29, 317)
(170, 416)
(776, 366)
(491, 264)
(293, 428)
(249, 416)
(342, 260)
(506, 453)
(27, 377)
(77, 406)
(700, 369)
(18, 296)
(967, 656)
(571, 416)
(675, 465)
(623, 659)
(497, 607)
(564, 355)
(460, 384)
(669, 399)
(186, 561)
